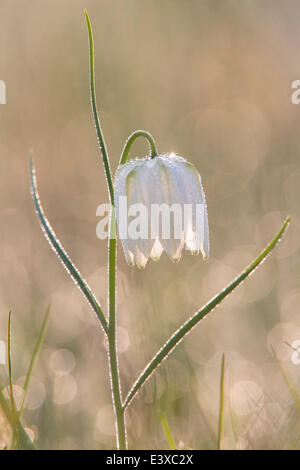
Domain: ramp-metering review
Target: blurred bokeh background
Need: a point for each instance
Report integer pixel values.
(211, 81)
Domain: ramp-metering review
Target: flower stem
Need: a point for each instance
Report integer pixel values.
(135, 135)
(112, 338)
(112, 259)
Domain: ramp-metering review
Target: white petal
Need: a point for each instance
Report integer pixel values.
(197, 238)
(140, 259)
(138, 193)
(129, 256)
(172, 196)
(120, 191)
(205, 247)
(156, 250)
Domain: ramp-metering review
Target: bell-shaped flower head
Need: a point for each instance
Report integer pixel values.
(160, 205)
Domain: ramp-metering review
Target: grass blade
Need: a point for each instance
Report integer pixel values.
(19, 433)
(166, 427)
(14, 413)
(222, 400)
(60, 251)
(9, 408)
(33, 359)
(11, 395)
(24, 439)
(173, 341)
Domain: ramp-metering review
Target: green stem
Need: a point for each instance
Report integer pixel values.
(112, 255)
(135, 135)
(112, 338)
(112, 258)
(222, 400)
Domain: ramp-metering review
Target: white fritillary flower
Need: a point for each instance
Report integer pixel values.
(160, 205)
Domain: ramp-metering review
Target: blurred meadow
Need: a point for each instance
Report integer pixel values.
(211, 81)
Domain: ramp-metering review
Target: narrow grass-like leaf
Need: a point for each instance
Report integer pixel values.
(20, 436)
(33, 359)
(60, 251)
(173, 341)
(14, 413)
(100, 136)
(24, 439)
(11, 395)
(166, 428)
(222, 401)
